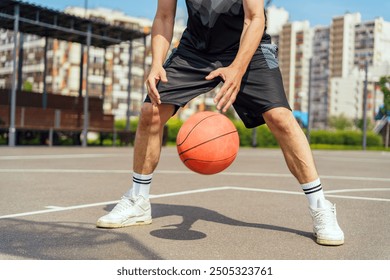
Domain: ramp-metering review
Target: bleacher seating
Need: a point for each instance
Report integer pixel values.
(63, 114)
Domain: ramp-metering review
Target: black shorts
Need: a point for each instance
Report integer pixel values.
(261, 87)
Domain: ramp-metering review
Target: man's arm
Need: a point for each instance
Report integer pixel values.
(252, 33)
(162, 33)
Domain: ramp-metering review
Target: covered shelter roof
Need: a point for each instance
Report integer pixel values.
(45, 22)
(26, 18)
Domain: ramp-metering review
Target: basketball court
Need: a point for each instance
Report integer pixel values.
(254, 210)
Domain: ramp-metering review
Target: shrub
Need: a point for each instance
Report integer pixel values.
(244, 134)
(173, 125)
(374, 140)
(265, 138)
(121, 124)
(349, 138)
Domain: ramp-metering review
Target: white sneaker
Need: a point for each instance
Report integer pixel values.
(128, 212)
(326, 228)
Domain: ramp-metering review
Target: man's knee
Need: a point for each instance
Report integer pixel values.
(281, 119)
(154, 116)
(278, 115)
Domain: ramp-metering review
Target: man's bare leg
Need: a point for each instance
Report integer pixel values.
(134, 207)
(299, 159)
(293, 143)
(148, 141)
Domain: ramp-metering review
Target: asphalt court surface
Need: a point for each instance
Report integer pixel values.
(52, 197)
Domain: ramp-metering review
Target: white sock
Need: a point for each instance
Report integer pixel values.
(130, 193)
(141, 185)
(313, 191)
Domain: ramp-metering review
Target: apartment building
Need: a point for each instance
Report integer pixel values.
(31, 57)
(295, 50)
(320, 77)
(114, 79)
(372, 46)
(342, 42)
(338, 53)
(353, 44)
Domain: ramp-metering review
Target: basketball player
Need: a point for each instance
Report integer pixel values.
(225, 41)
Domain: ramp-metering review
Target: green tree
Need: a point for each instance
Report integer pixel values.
(340, 122)
(370, 124)
(384, 83)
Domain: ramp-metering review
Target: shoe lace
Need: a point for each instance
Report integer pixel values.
(123, 205)
(325, 217)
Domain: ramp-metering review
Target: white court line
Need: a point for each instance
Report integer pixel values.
(347, 159)
(358, 197)
(57, 156)
(84, 171)
(358, 190)
(328, 195)
(241, 174)
(58, 208)
(54, 207)
(321, 176)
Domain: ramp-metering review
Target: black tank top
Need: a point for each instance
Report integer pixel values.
(215, 26)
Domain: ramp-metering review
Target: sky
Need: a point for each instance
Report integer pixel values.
(317, 12)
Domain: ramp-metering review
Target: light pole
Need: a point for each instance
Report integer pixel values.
(309, 101)
(129, 87)
(132, 47)
(12, 129)
(86, 96)
(367, 42)
(365, 106)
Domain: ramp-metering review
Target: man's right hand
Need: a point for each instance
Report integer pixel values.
(156, 74)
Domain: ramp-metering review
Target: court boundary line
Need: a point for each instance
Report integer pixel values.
(59, 156)
(241, 174)
(51, 209)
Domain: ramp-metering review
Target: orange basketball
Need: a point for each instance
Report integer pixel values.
(207, 142)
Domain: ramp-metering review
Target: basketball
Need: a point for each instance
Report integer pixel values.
(207, 142)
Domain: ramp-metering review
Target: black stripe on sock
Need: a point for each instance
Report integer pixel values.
(313, 189)
(142, 181)
(139, 179)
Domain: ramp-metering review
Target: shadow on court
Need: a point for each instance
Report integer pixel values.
(192, 214)
(72, 240)
(54, 240)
